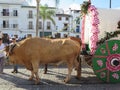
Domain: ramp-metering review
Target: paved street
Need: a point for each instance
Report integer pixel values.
(53, 80)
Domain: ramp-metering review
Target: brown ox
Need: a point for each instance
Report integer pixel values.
(32, 52)
(78, 58)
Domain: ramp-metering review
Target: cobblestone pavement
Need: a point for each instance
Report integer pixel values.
(53, 80)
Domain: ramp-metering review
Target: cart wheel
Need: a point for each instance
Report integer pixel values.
(106, 61)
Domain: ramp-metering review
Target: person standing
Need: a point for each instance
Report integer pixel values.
(15, 69)
(2, 55)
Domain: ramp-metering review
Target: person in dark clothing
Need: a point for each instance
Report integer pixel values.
(15, 70)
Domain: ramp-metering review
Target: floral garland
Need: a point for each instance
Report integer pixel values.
(89, 9)
(94, 28)
(108, 35)
(84, 10)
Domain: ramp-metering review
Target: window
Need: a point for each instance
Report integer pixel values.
(30, 14)
(30, 25)
(77, 36)
(5, 24)
(65, 27)
(77, 29)
(48, 25)
(15, 13)
(40, 17)
(40, 25)
(60, 18)
(15, 25)
(67, 18)
(29, 35)
(65, 35)
(5, 12)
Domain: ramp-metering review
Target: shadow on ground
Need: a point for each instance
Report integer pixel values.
(21, 79)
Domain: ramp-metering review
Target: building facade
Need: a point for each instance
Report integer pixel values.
(18, 18)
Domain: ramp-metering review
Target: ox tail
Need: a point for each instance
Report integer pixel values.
(78, 61)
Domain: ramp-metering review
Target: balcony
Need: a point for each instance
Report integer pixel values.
(12, 26)
(9, 14)
(14, 14)
(30, 27)
(30, 16)
(5, 26)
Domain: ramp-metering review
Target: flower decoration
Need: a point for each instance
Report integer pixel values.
(86, 7)
(100, 63)
(115, 75)
(102, 74)
(108, 35)
(110, 65)
(94, 28)
(102, 50)
(115, 47)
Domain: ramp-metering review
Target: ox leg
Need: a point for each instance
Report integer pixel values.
(45, 69)
(78, 68)
(32, 75)
(37, 78)
(70, 67)
(35, 71)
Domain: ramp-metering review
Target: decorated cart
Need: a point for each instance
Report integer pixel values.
(100, 30)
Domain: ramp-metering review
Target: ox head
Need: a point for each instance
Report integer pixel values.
(9, 51)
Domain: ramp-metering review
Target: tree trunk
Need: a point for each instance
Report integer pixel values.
(43, 28)
(37, 18)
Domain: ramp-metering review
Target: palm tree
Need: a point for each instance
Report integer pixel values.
(110, 4)
(45, 14)
(37, 18)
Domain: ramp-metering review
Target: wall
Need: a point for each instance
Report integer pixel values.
(108, 22)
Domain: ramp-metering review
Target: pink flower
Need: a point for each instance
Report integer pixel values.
(115, 47)
(94, 29)
(103, 51)
(100, 63)
(115, 75)
(102, 74)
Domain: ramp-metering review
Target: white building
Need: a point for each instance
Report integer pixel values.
(19, 18)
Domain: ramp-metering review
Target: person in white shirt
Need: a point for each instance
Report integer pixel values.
(2, 55)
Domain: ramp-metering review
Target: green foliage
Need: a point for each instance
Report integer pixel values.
(108, 35)
(84, 7)
(77, 20)
(47, 13)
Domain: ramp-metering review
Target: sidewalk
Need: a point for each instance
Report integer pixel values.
(53, 80)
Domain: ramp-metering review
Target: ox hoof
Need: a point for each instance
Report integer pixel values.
(36, 83)
(30, 79)
(78, 78)
(66, 81)
(45, 72)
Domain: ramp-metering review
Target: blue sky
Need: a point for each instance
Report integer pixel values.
(65, 4)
